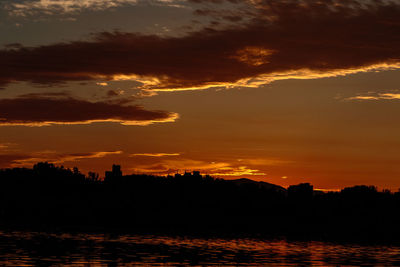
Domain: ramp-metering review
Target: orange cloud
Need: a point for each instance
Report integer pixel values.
(3, 146)
(376, 96)
(254, 56)
(225, 169)
(155, 154)
(102, 84)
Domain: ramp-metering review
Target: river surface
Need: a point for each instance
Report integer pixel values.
(45, 249)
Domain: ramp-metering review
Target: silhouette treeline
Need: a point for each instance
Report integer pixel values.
(48, 197)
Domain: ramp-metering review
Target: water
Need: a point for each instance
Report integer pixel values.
(31, 249)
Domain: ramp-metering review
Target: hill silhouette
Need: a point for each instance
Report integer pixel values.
(263, 185)
(52, 197)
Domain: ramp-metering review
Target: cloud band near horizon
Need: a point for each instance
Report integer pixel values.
(28, 159)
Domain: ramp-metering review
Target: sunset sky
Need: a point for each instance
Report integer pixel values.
(282, 91)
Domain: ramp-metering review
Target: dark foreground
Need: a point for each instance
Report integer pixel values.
(49, 249)
(49, 198)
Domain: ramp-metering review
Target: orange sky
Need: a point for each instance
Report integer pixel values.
(277, 91)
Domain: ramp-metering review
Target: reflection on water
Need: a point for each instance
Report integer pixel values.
(31, 248)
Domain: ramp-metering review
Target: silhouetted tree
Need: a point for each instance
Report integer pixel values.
(51, 196)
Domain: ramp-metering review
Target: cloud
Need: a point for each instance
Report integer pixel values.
(22, 160)
(236, 171)
(7, 147)
(145, 93)
(3, 146)
(7, 160)
(155, 154)
(328, 190)
(285, 39)
(264, 161)
(57, 7)
(376, 96)
(42, 110)
(213, 168)
(46, 95)
(111, 93)
(77, 156)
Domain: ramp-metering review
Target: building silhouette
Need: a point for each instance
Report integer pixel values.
(113, 175)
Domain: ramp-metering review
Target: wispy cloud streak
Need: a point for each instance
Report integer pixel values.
(154, 154)
(376, 96)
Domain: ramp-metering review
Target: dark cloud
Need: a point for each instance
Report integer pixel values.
(233, 15)
(39, 110)
(282, 38)
(13, 46)
(215, 1)
(233, 18)
(112, 93)
(46, 94)
(7, 159)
